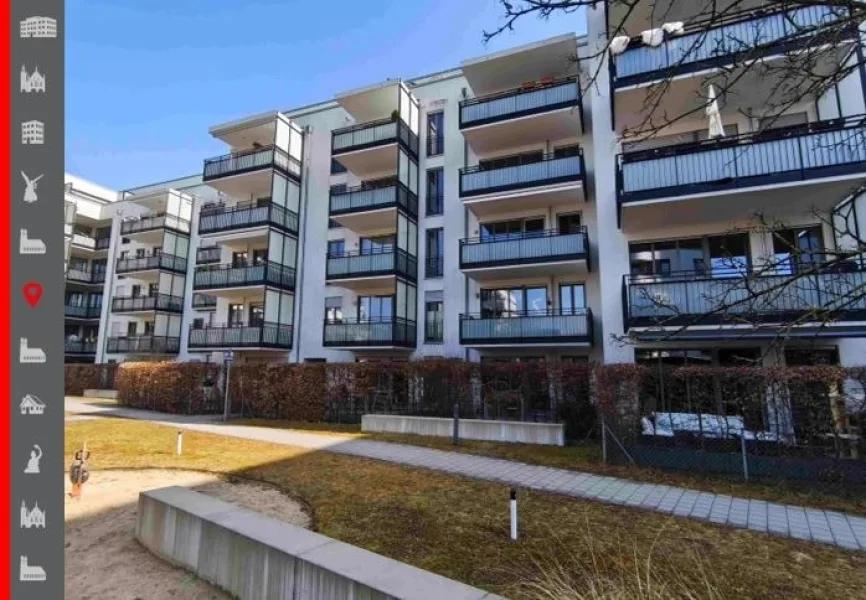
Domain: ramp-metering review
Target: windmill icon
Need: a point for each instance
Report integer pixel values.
(30, 192)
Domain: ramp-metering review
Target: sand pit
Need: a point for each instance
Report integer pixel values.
(103, 560)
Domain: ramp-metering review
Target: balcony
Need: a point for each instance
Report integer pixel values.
(247, 161)
(524, 181)
(143, 344)
(730, 304)
(208, 255)
(373, 134)
(102, 243)
(247, 215)
(79, 347)
(203, 302)
(156, 302)
(525, 254)
(85, 276)
(166, 262)
(367, 265)
(73, 311)
(263, 336)
(546, 327)
(372, 204)
(382, 333)
(720, 177)
(151, 223)
(532, 114)
(89, 243)
(729, 41)
(271, 274)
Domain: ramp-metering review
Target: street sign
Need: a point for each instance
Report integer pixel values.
(229, 355)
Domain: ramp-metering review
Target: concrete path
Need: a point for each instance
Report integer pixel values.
(828, 527)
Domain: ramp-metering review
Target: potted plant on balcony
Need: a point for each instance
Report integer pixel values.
(395, 114)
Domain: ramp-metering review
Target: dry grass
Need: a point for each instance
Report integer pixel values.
(587, 458)
(459, 527)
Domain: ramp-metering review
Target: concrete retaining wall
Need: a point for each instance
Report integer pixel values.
(550, 434)
(110, 394)
(255, 557)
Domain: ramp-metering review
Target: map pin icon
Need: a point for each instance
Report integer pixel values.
(32, 293)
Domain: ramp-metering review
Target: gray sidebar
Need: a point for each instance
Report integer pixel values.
(37, 256)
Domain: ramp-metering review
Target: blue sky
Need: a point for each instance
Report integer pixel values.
(145, 79)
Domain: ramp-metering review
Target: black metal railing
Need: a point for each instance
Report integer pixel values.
(203, 302)
(372, 134)
(153, 222)
(74, 311)
(799, 153)
(230, 276)
(375, 263)
(155, 302)
(390, 331)
(145, 344)
(543, 97)
(708, 44)
(434, 267)
(255, 159)
(528, 327)
(208, 254)
(523, 248)
(263, 335)
(79, 347)
(745, 297)
(85, 276)
(245, 215)
(523, 171)
(168, 262)
(374, 195)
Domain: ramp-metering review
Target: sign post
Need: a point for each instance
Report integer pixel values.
(228, 356)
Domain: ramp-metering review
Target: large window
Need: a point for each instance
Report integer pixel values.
(334, 309)
(435, 191)
(336, 247)
(504, 230)
(433, 314)
(240, 259)
(377, 244)
(797, 249)
(435, 252)
(717, 256)
(689, 137)
(256, 315)
(572, 298)
(236, 314)
(375, 308)
(569, 223)
(435, 133)
(513, 302)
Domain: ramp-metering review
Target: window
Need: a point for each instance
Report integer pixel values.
(256, 315)
(797, 249)
(504, 230)
(131, 328)
(568, 223)
(513, 302)
(124, 254)
(516, 160)
(239, 259)
(152, 289)
(435, 133)
(260, 257)
(124, 240)
(662, 141)
(572, 298)
(375, 308)
(378, 244)
(94, 301)
(780, 121)
(139, 253)
(337, 167)
(157, 250)
(198, 323)
(136, 291)
(148, 328)
(236, 315)
(435, 252)
(334, 309)
(433, 314)
(336, 248)
(435, 191)
(100, 265)
(716, 256)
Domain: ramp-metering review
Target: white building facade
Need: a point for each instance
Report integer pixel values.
(497, 212)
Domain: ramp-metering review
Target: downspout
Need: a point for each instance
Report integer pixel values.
(465, 235)
(299, 259)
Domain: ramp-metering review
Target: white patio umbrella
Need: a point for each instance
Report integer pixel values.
(717, 130)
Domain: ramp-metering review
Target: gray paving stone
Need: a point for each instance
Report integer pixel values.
(702, 506)
(818, 526)
(858, 528)
(612, 490)
(738, 516)
(757, 519)
(655, 496)
(637, 498)
(670, 499)
(720, 510)
(686, 502)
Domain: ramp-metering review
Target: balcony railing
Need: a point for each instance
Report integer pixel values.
(743, 36)
(372, 134)
(84, 241)
(156, 302)
(384, 332)
(523, 171)
(237, 163)
(143, 344)
(523, 249)
(799, 153)
(73, 311)
(378, 263)
(79, 347)
(521, 102)
(203, 302)
(528, 327)
(230, 276)
(168, 262)
(85, 276)
(744, 297)
(375, 195)
(245, 215)
(265, 335)
(208, 254)
(151, 223)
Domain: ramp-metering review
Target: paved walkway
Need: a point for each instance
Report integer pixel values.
(824, 526)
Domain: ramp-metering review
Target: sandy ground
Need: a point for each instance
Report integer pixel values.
(103, 560)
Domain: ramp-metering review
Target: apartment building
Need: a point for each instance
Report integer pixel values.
(497, 212)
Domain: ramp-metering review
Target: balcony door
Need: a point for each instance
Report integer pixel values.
(506, 230)
(375, 309)
(236, 315)
(572, 298)
(513, 302)
(377, 245)
(714, 256)
(568, 224)
(256, 315)
(796, 250)
(240, 259)
(260, 257)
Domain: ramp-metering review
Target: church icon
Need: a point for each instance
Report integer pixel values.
(30, 356)
(32, 517)
(32, 82)
(27, 245)
(30, 572)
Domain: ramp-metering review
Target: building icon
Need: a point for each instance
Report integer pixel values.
(32, 82)
(30, 355)
(33, 132)
(39, 27)
(31, 572)
(30, 246)
(34, 517)
(31, 405)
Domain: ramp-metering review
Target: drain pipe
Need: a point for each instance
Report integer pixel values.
(305, 189)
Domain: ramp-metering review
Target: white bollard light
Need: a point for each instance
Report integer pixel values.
(179, 442)
(513, 514)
